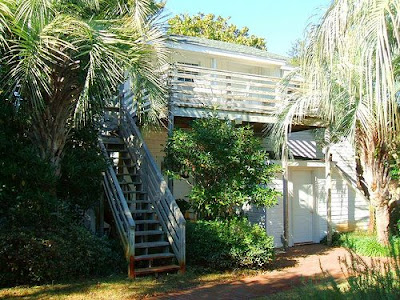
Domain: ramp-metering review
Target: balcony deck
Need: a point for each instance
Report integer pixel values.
(195, 91)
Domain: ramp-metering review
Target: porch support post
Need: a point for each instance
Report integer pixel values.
(285, 196)
(328, 187)
(171, 120)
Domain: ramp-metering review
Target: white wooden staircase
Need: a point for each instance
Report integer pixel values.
(147, 218)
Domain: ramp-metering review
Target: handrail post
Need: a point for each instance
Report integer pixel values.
(131, 252)
(182, 259)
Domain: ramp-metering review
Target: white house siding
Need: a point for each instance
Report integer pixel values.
(349, 210)
(319, 187)
(155, 141)
(344, 155)
(275, 216)
(269, 218)
(361, 212)
(358, 213)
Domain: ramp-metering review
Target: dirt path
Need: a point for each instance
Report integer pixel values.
(299, 263)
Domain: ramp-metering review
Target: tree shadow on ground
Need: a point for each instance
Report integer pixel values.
(290, 257)
(196, 283)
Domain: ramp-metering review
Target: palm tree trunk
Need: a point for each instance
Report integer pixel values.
(374, 155)
(50, 128)
(382, 224)
(371, 224)
(50, 134)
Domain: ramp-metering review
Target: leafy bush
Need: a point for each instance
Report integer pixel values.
(41, 239)
(31, 257)
(363, 243)
(26, 180)
(228, 164)
(81, 169)
(228, 244)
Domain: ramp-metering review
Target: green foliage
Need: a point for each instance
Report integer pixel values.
(30, 256)
(66, 59)
(227, 163)
(81, 169)
(25, 179)
(229, 244)
(365, 244)
(41, 238)
(215, 28)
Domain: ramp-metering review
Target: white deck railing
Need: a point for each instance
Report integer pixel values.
(199, 87)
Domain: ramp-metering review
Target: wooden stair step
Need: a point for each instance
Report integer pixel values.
(154, 256)
(161, 269)
(133, 182)
(149, 232)
(126, 174)
(117, 150)
(112, 140)
(133, 192)
(129, 165)
(152, 244)
(138, 222)
(143, 211)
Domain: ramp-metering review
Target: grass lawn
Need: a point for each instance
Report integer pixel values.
(366, 244)
(119, 287)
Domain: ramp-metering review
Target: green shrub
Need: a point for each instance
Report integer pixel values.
(81, 169)
(32, 257)
(41, 238)
(363, 243)
(228, 244)
(227, 163)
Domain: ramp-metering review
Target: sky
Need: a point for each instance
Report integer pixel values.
(280, 22)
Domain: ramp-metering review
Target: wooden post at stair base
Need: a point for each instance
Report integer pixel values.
(285, 196)
(131, 271)
(328, 191)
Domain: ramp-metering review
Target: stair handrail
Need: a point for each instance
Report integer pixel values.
(168, 212)
(119, 206)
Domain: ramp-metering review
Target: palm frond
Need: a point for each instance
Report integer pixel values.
(29, 59)
(348, 68)
(6, 15)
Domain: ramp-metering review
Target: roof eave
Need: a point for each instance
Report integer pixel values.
(225, 53)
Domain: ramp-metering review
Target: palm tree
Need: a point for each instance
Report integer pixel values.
(65, 59)
(349, 83)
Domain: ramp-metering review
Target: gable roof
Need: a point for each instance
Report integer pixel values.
(176, 40)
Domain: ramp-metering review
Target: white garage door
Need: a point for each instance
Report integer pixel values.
(302, 206)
